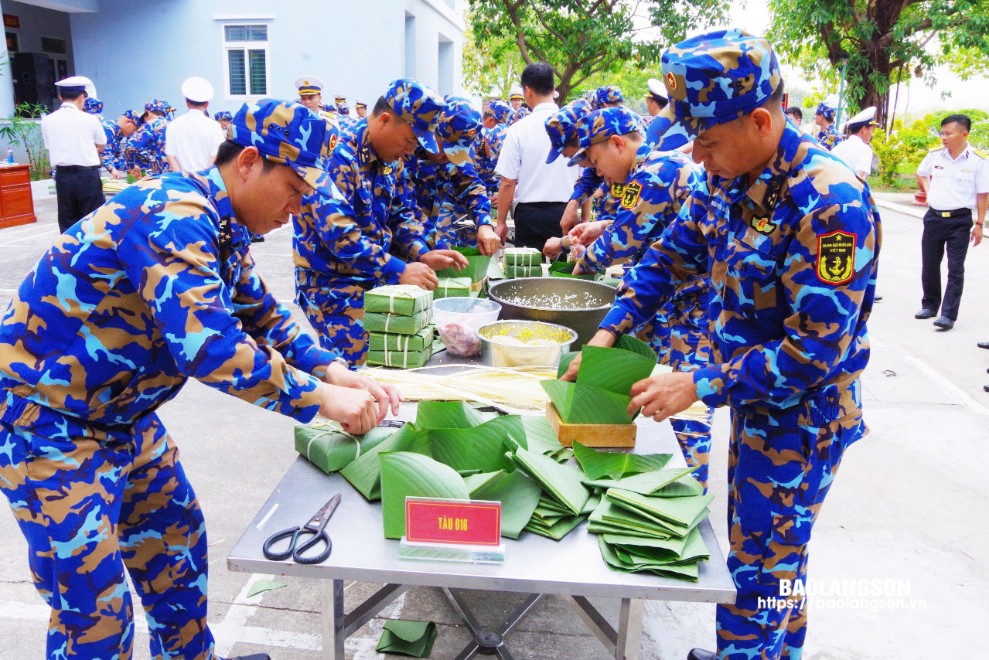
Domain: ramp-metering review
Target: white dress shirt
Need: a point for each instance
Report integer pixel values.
(71, 136)
(855, 153)
(193, 139)
(954, 181)
(523, 158)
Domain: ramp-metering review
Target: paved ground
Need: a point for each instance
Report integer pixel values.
(908, 509)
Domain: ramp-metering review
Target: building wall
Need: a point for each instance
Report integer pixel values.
(355, 48)
(35, 23)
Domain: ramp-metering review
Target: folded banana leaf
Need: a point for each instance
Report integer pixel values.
(479, 448)
(523, 257)
(675, 551)
(539, 435)
(364, 473)
(421, 341)
(670, 482)
(448, 415)
(399, 359)
(688, 572)
(412, 638)
(407, 474)
(616, 465)
(396, 324)
(610, 518)
(518, 495)
(557, 530)
(515, 272)
(565, 269)
(682, 513)
(585, 404)
(562, 482)
(327, 446)
(613, 369)
(399, 299)
(477, 265)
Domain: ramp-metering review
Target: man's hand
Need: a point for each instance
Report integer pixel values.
(488, 241)
(976, 234)
(387, 396)
(354, 409)
(587, 232)
(601, 338)
(553, 247)
(421, 275)
(501, 229)
(664, 395)
(570, 216)
(440, 259)
(116, 174)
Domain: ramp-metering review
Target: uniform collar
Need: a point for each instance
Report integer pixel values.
(365, 151)
(230, 230)
(963, 155)
(765, 192)
(640, 158)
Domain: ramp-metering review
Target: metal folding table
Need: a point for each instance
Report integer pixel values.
(533, 565)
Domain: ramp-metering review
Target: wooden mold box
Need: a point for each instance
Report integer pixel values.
(590, 435)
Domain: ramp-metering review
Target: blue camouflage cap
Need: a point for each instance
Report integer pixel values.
(289, 134)
(419, 107)
(825, 111)
(500, 110)
(457, 128)
(133, 116)
(92, 105)
(717, 77)
(608, 94)
(157, 105)
(671, 136)
(561, 126)
(598, 126)
(223, 115)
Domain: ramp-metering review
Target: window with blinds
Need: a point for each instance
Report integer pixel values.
(246, 47)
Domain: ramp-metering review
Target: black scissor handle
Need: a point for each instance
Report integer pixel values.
(301, 558)
(291, 533)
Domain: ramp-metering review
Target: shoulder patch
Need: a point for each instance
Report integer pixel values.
(981, 154)
(618, 189)
(933, 149)
(631, 195)
(836, 257)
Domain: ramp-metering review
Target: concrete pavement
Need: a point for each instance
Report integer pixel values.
(907, 513)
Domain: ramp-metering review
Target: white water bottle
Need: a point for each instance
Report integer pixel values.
(10, 155)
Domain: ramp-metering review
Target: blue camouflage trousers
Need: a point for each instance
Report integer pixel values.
(336, 312)
(93, 504)
(680, 340)
(779, 472)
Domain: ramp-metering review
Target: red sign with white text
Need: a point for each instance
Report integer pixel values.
(452, 521)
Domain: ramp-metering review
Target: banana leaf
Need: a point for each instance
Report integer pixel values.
(597, 464)
(615, 370)
(400, 299)
(399, 359)
(609, 517)
(688, 572)
(422, 341)
(523, 256)
(405, 474)
(679, 513)
(565, 361)
(448, 415)
(453, 287)
(562, 482)
(330, 448)
(477, 265)
(565, 269)
(578, 403)
(395, 324)
(655, 483)
(364, 473)
(412, 638)
(539, 435)
(675, 551)
(479, 448)
(557, 530)
(635, 345)
(518, 495)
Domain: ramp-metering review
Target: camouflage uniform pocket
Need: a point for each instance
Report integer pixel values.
(786, 551)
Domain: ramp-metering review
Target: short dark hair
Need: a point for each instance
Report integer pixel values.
(538, 77)
(381, 105)
(70, 96)
(228, 151)
(196, 104)
(794, 110)
(661, 101)
(962, 120)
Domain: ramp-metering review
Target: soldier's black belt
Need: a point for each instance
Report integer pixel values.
(957, 213)
(69, 169)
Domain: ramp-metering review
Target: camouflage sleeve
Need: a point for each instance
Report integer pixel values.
(823, 312)
(608, 204)
(409, 242)
(173, 260)
(109, 156)
(342, 235)
(472, 193)
(587, 183)
(678, 255)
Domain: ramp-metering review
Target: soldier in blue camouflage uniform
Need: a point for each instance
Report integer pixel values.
(223, 117)
(153, 288)
(113, 157)
(654, 186)
(365, 233)
(343, 113)
(447, 185)
(789, 239)
(488, 144)
(562, 132)
(824, 118)
(144, 150)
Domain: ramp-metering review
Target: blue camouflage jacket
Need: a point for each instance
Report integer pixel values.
(438, 184)
(113, 154)
(367, 231)
(156, 286)
(792, 261)
(145, 148)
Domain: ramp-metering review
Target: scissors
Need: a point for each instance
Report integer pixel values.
(314, 527)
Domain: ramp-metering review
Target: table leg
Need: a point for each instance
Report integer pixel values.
(629, 628)
(486, 639)
(332, 621)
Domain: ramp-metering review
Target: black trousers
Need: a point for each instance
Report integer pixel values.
(940, 235)
(537, 221)
(79, 192)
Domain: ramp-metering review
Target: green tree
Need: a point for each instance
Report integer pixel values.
(881, 41)
(495, 64)
(583, 37)
(24, 129)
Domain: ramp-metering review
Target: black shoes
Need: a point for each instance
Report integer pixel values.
(983, 344)
(985, 388)
(944, 323)
(925, 314)
(701, 654)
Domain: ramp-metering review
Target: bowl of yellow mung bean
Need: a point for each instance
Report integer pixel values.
(524, 343)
